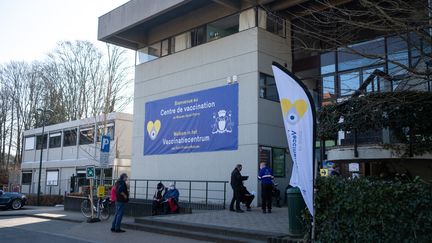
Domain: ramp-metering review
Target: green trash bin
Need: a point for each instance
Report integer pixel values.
(296, 205)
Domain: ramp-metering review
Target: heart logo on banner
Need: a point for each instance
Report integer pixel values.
(153, 129)
(294, 112)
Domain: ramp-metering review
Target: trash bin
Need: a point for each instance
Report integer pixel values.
(296, 205)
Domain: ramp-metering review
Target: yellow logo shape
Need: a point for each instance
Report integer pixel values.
(153, 129)
(293, 112)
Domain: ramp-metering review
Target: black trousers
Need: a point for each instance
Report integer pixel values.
(236, 198)
(266, 196)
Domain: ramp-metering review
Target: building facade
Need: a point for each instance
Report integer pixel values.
(69, 147)
(184, 47)
(192, 46)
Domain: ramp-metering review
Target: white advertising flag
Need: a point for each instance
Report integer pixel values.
(299, 121)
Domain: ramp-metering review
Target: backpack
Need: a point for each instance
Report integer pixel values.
(113, 194)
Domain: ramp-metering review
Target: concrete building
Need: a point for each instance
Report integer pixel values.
(189, 46)
(69, 147)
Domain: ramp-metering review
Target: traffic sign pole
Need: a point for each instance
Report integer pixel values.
(104, 161)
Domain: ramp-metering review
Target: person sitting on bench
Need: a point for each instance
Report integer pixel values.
(158, 199)
(171, 199)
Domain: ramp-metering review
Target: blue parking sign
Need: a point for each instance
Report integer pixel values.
(105, 143)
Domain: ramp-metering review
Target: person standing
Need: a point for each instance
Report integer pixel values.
(265, 175)
(237, 184)
(122, 194)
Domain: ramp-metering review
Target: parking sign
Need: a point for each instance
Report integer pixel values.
(104, 153)
(105, 143)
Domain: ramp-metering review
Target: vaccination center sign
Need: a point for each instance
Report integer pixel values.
(202, 121)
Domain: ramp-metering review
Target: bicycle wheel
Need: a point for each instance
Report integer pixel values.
(86, 208)
(105, 211)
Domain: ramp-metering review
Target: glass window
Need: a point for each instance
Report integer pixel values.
(26, 178)
(198, 36)
(29, 143)
(247, 19)
(110, 131)
(155, 50)
(41, 144)
(149, 53)
(328, 83)
(265, 155)
(86, 136)
(165, 47)
(55, 140)
(328, 62)
(223, 27)
(268, 88)
(52, 178)
(275, 25)
(278, 162)
(70, 137)
(373, 85)
(397, 54)
(361, 55)
(415, 47)
(182, 41)
(349, 82)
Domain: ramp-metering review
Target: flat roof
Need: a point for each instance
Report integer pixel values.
(76, 123)
(128, 25)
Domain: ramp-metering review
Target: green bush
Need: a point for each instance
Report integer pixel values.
(370, 210)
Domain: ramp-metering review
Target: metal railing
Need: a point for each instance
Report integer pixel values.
(192, 192)
(196, 193)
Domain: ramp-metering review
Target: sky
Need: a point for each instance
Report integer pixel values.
(29, 29)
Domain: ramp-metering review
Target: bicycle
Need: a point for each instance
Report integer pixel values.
(104, 207)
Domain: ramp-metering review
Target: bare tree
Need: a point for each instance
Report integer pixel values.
(76, 81)
(403, 26)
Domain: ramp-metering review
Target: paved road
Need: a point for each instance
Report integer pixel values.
(38, 230)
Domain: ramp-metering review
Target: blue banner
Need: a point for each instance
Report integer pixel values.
(196, 122)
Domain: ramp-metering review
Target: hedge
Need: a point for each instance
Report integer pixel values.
(45, 200)
(371, 210)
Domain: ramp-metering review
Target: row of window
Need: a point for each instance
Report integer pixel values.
(70, 138)
(344, 70)
(52, 176)
(212, 31)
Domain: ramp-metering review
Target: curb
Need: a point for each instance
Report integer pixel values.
(56, 218)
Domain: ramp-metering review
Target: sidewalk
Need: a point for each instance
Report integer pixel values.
(276, 222)
(251, 225)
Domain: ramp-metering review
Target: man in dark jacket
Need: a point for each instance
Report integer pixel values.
(122, 198)
(237, 185)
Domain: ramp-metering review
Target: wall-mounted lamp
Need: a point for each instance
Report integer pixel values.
(232, 79)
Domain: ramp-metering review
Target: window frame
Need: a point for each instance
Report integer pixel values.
(265, 87)
(33, 143)
(44, 144)
(57, 177)
(86, 138)
(55, 134)
(65, 137)
(22, 177)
